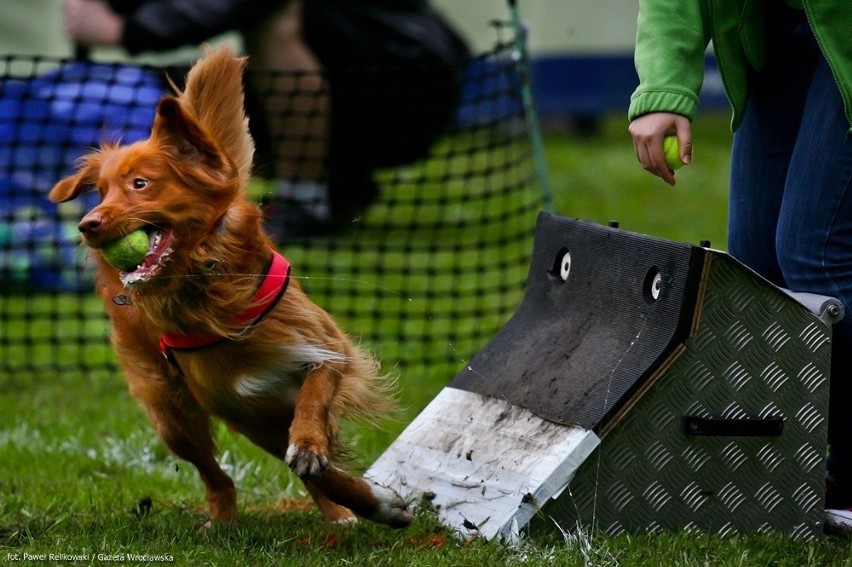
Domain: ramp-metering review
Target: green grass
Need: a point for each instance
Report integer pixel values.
(601, 180)
(77, 456)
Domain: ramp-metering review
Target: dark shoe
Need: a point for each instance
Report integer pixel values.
(350, 193)
(838, 522)
(286, 220)
(838, 491)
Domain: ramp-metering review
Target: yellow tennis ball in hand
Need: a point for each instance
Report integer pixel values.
(127, 252)
(671, 149)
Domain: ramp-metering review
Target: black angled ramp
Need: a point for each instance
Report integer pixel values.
(603, 309)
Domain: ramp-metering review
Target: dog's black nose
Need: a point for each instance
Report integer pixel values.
(90, 223)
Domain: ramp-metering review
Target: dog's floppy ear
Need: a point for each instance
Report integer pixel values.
(176, 129)
(71, 186)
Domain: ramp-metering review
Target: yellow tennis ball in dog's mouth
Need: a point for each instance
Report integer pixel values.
(127, 252)
(671, 149)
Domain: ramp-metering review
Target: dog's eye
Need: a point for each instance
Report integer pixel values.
(139, 183)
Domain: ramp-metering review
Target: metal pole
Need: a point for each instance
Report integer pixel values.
(522, 57)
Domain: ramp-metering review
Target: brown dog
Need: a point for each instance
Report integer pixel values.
(243, 341)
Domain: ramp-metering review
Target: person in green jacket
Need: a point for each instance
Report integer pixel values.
(786, 66)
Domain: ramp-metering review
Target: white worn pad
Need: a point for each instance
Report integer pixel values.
(488, 463)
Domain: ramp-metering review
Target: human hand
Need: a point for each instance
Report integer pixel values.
(92, 22)
(648, 132)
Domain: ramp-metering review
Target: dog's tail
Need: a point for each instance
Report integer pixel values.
(214, 93)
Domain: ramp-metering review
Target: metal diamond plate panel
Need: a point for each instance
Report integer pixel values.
(755, 354)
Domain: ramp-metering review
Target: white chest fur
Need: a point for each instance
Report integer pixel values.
(282, 380)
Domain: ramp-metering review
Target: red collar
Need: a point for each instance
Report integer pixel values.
(271, 289)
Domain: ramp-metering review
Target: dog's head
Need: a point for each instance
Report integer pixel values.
(178, 184)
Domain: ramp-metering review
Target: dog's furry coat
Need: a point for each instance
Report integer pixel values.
(283, 383)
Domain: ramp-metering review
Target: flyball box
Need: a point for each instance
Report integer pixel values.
(641, 385)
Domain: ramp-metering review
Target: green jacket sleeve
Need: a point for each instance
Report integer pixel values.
(831, 21)
(671, 39)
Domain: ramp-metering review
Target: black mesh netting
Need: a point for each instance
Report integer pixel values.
(423, 268)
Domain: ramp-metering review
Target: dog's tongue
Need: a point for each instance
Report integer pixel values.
(160, 244)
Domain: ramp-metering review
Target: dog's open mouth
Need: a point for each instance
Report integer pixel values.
(159, 249)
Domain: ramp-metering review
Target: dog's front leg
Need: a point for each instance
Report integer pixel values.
(308, 453)
(185, 429)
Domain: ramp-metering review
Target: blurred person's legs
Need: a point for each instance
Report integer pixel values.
(288, 83)
(790, 213)
(763, 145)
(383, 83)
(815, 249)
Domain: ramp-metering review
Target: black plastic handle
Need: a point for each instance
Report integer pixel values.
(771, 426)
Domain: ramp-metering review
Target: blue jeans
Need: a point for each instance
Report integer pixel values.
(790, 216)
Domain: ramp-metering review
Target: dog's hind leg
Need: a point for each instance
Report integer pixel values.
(334, 513)
(370, 501)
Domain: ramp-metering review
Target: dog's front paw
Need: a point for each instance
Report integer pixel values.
(305, 460)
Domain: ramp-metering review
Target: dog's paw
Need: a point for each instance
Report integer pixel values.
(392, 511)
(223, 504)
(305, 461)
